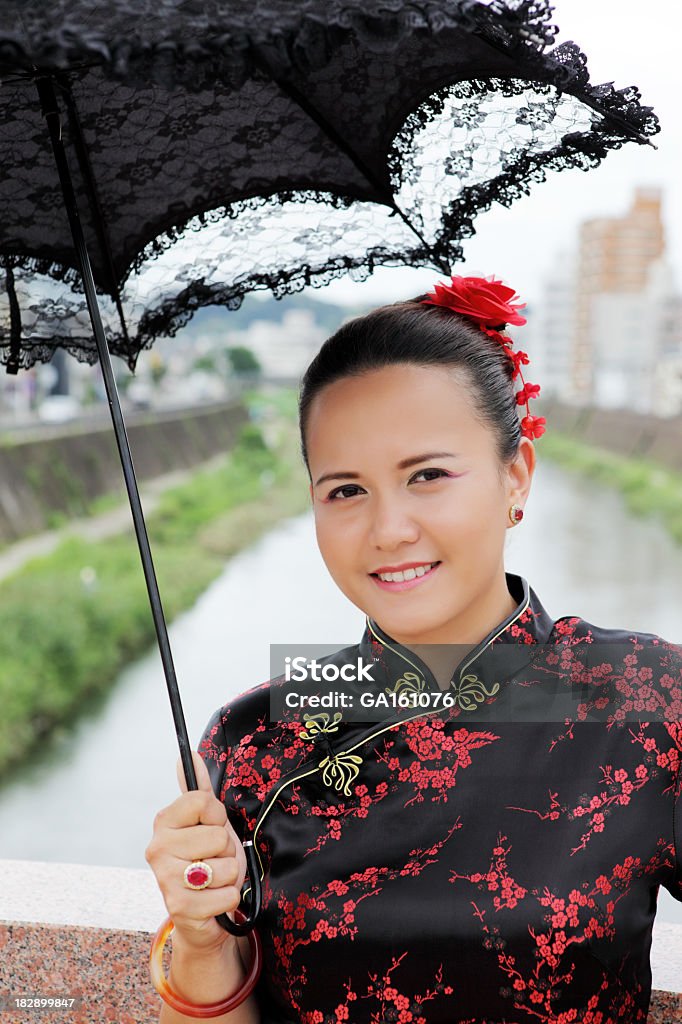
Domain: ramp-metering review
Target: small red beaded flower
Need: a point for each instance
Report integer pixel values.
(490, 304)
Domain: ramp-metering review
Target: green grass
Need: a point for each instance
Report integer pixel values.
(649, 489)
(73, 619)
(104, 503)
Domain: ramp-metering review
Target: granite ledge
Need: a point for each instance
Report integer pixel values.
(86, 930)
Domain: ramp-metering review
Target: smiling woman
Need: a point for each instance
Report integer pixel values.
(551, 747)
(438, 380)
(453, 512)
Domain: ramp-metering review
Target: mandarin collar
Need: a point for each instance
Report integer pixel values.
(475, 679)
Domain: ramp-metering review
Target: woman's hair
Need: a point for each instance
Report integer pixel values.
(421, 335)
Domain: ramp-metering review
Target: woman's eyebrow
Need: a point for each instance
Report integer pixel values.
(412, 460)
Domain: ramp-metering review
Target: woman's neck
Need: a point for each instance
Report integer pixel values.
(443, 657)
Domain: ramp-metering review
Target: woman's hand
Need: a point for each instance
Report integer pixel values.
(196, 827)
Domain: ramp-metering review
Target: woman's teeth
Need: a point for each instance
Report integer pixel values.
(407, 574)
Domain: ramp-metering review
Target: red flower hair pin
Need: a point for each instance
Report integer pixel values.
(490, 304)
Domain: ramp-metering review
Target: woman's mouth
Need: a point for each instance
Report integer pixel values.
(404, 582)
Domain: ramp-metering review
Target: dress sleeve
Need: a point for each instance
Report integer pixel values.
(216, 750)
(675, 886)
(216, 753)
(671, 687)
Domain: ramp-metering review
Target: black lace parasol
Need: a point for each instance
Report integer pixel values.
(221, 147)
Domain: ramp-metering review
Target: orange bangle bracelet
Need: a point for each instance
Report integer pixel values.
(202, 1011)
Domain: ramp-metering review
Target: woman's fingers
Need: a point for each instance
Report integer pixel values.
(170, 871)
(199, 842)
(212, 813)
(191, 909)
(196, 827)
(200, 770)
(195, 808)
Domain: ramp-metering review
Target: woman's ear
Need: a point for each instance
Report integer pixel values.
(520, 472)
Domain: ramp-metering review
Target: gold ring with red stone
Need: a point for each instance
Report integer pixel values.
(198, 875)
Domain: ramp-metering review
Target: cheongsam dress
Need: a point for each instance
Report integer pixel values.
(496, 861)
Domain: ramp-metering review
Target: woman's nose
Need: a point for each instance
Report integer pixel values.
(392, 525)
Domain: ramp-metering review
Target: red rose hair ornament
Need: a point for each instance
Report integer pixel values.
(490, 305)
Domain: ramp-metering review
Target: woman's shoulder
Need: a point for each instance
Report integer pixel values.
(235, 742)
(261, 713)
(574, 630)
(240, 715)
(638, 672)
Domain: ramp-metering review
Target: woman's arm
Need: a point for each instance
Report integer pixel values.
(208, 964)
(209, 976)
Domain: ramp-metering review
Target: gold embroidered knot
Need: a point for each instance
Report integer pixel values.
(471, 691)
(314, 728)
(411, 682)
(340, 770)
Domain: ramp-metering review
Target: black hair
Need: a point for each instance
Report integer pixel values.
(422, 335)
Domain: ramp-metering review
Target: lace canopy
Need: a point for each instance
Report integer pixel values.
(223, 146)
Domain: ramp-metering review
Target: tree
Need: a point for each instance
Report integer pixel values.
(206, 363)
(243, 360)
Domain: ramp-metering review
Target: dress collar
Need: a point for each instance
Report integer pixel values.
(398, 668)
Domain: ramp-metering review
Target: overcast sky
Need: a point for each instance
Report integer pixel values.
(627, 43)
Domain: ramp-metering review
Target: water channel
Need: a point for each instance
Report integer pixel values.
(90, 796)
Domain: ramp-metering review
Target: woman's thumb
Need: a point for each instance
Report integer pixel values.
(200, 770)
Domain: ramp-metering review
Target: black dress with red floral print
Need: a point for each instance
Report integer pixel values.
(495, 861)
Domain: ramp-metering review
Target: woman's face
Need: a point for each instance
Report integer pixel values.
(446, 508)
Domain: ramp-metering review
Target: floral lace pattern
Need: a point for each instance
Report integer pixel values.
(279, 147)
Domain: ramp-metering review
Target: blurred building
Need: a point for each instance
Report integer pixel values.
(283, 349)
(667, 386)
(548, 337)
(635, 344)
(613, 287)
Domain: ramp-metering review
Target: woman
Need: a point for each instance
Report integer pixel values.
(491, 851)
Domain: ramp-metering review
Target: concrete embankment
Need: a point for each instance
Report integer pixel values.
(62, 471)
(640, 456)
(621, 431)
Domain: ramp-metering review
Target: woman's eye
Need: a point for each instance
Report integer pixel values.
(441, 472)
(332, 496)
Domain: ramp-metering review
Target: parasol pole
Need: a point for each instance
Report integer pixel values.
(50, 109)
(76, 134)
